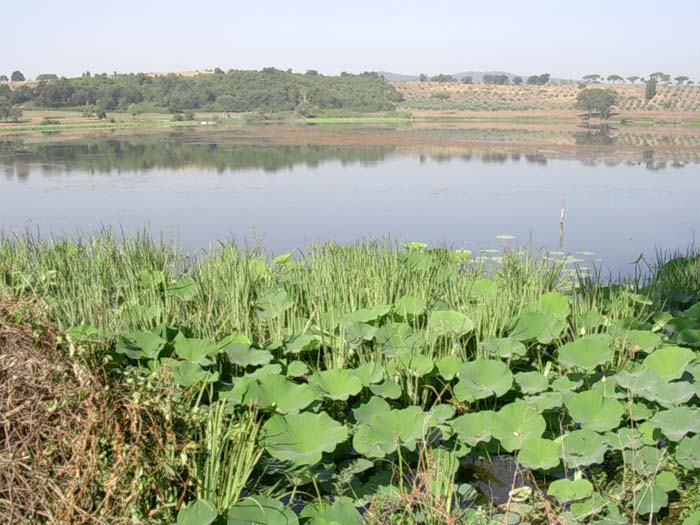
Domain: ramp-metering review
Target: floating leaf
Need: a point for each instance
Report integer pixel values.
(581, 448)
(586, 353)
(273, 304)
(409, 306)
(337, 384)
(482, 378)
(474, 427)
(184, 289)
(539, 454)
(450, 322)
(515, 423)
(196, 350)
(276, 391)
(594, 411)
(259, 510)
(688, 452)
(566, 490)
(140, 345)
(537, 326)
(669, 362)
(384, 430)
(198, 512)
(302, 438)
(531, 382)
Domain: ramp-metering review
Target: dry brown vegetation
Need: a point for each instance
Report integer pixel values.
(420, 95)
(72, 449)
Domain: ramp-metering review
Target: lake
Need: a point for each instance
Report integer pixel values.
(197, 189)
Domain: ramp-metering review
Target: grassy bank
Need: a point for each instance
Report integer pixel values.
(356, 384)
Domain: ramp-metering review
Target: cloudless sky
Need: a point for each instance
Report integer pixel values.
(563, 37)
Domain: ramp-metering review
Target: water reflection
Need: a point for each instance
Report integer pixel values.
(220, 153)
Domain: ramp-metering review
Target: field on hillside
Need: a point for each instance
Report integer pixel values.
(431, 96)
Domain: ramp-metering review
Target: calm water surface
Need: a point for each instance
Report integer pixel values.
(199, 191)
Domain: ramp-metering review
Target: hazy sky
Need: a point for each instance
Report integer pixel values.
(565, 38)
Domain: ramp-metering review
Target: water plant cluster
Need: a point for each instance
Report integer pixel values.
(382, 384)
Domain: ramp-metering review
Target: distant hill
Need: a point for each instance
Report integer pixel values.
(478, 76)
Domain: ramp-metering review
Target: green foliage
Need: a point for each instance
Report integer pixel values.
(650, 89)
(597, 100)
(17, 76)
(235, 91)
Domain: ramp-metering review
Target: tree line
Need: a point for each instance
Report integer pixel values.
(234, 91)
(657, 76)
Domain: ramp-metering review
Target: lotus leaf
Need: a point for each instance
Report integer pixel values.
(474, 427)
(140, 345)
(340, 513)
(669, 362)
(357, 333)
(449, 367)
(394, 337)
(625, 438)
(385, 431)
(537, 326)
(240, 355)
(187, 373)
(566, 490)
(259, 510)
(504, 347)
(545, 401)
(483, 288)
(642, 341)
(688, 452)
(282, 259)
(198, 512)
(689, 337)
(515, 423)
(586, 353)
(302, 438)
(565, 384)
(581, 448)
(552, 303)
(409, 306)
(651, 499)
(297, 369)
(450, 322)
(482, 378)
(539, 453)
(196, 350)
(531, 382)
(184, 289)
(677, 422)
(336, 384)
(369, 373)
(273, 305)
(276, 391)
(302, 343)
(367, 315)
(646, 461)
(593, 411)
(387, 389)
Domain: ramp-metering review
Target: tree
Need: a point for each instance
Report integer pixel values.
(517, 81)
(47, 76)
(681, 79)
(3, 78)
(592, 77)
(650, 90)
(423, 77)
(597, 100)
(538, 80)
(443, 78)
(468, 79)
(17, 76)
(633, 78)
(615, 78)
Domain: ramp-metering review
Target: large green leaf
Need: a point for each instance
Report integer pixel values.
(474, 427)
(277, 392)
(140, 345)
(586, 353)
(670, 361)
(531, 382)
(259, 510)
(340, 513)
(552, 303)
(566, 490)
(581, 448)
(409, 306)
(198, 512)
(594, 411)
(503, 347)
(688, 452)
(537, 326)
(677, 422)
(483, 378)
(196, 350)
(184, 289)
(515, 423)
(273, 305)
(302, 438)
(337, 384)
(539, 454)
(383, 431)
(450, 322)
